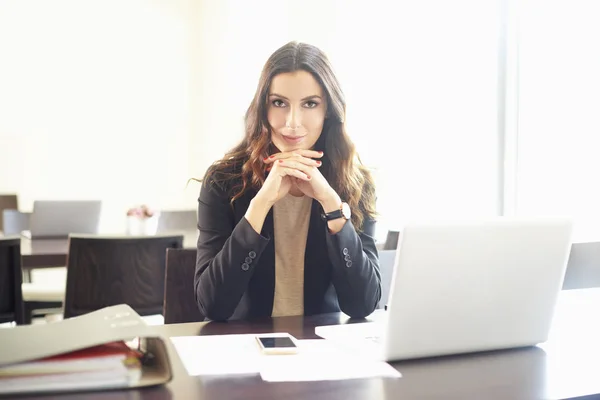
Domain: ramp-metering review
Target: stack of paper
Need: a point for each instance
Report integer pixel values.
(110, 365)
(319, 360)
(316, 360)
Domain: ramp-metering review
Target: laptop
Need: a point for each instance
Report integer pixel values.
(466, 287)
(57, 219)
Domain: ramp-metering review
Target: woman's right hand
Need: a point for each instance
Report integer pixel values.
(278, 184)
(281, 179)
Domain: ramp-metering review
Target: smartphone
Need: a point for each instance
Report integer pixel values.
(277, 344)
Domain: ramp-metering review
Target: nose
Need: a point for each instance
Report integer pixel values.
(293, 119)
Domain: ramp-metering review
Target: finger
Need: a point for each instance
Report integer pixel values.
(296, 164)
(294, 173)
(309, 154)
(297, 158)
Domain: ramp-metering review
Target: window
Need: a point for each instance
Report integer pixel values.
(558, 107)
(421, 81)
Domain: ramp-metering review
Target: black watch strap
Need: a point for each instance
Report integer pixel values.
(332, 215)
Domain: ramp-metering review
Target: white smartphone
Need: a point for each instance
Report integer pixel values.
(279, 344)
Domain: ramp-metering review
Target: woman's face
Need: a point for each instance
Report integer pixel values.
(296, 110)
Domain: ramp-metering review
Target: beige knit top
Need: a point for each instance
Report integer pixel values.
(291, 217)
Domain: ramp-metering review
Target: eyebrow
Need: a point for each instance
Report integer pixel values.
(314, 96)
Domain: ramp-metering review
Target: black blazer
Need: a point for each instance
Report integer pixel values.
(235, 266)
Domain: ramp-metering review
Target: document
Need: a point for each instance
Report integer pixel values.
(218, 354)
(316, 360)
(320, 360)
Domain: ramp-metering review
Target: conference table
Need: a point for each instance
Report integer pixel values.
(566, 366)
(46, 253)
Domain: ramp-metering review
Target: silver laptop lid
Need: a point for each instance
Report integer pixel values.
(54, 219)
(479, 285)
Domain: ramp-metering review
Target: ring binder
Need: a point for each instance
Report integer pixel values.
(29, 346)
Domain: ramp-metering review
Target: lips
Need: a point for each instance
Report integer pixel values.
(293, 139)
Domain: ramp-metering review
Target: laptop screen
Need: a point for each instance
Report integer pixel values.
(61, 218)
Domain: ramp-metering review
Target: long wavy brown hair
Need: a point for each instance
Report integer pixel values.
(341, 164)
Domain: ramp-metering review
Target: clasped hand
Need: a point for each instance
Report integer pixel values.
(300, 169)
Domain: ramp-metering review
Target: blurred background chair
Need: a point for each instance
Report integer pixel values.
(45, 293)
(181, 220)
(7, 202)
(386, 265)
(15, 221)
(180, 303)
(391, 240)
(583, 268)
(105, 271)
(11, 299)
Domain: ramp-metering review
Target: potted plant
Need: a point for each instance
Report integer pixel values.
(142, 220)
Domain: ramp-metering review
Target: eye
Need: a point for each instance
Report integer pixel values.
(311, 104)
(278, 103)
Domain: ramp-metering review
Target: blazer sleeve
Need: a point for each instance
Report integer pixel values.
(227, 254)
(356, 274)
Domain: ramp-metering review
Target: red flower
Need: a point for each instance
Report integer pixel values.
(142, 211)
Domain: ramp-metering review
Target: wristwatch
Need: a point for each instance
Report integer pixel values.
(343, 212)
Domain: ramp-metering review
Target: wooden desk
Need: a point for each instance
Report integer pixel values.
(564, 367)
(45, 253)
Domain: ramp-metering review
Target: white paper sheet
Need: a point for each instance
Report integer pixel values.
(240, 354)
(218, 354)
(319, 360)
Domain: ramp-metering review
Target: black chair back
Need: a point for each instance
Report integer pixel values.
(11, 277)
(106, 271)
(180, 303)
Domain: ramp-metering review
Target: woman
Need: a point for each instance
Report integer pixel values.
(286, 218)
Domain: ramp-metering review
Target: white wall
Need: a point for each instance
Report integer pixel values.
(95, 102)
(126, 99)
(235, 40)
(420, 79)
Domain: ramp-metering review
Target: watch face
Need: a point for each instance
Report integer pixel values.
(346, 210)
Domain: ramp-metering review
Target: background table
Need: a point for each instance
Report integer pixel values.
(45, 253)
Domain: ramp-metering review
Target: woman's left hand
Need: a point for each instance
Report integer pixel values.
(317, 187)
